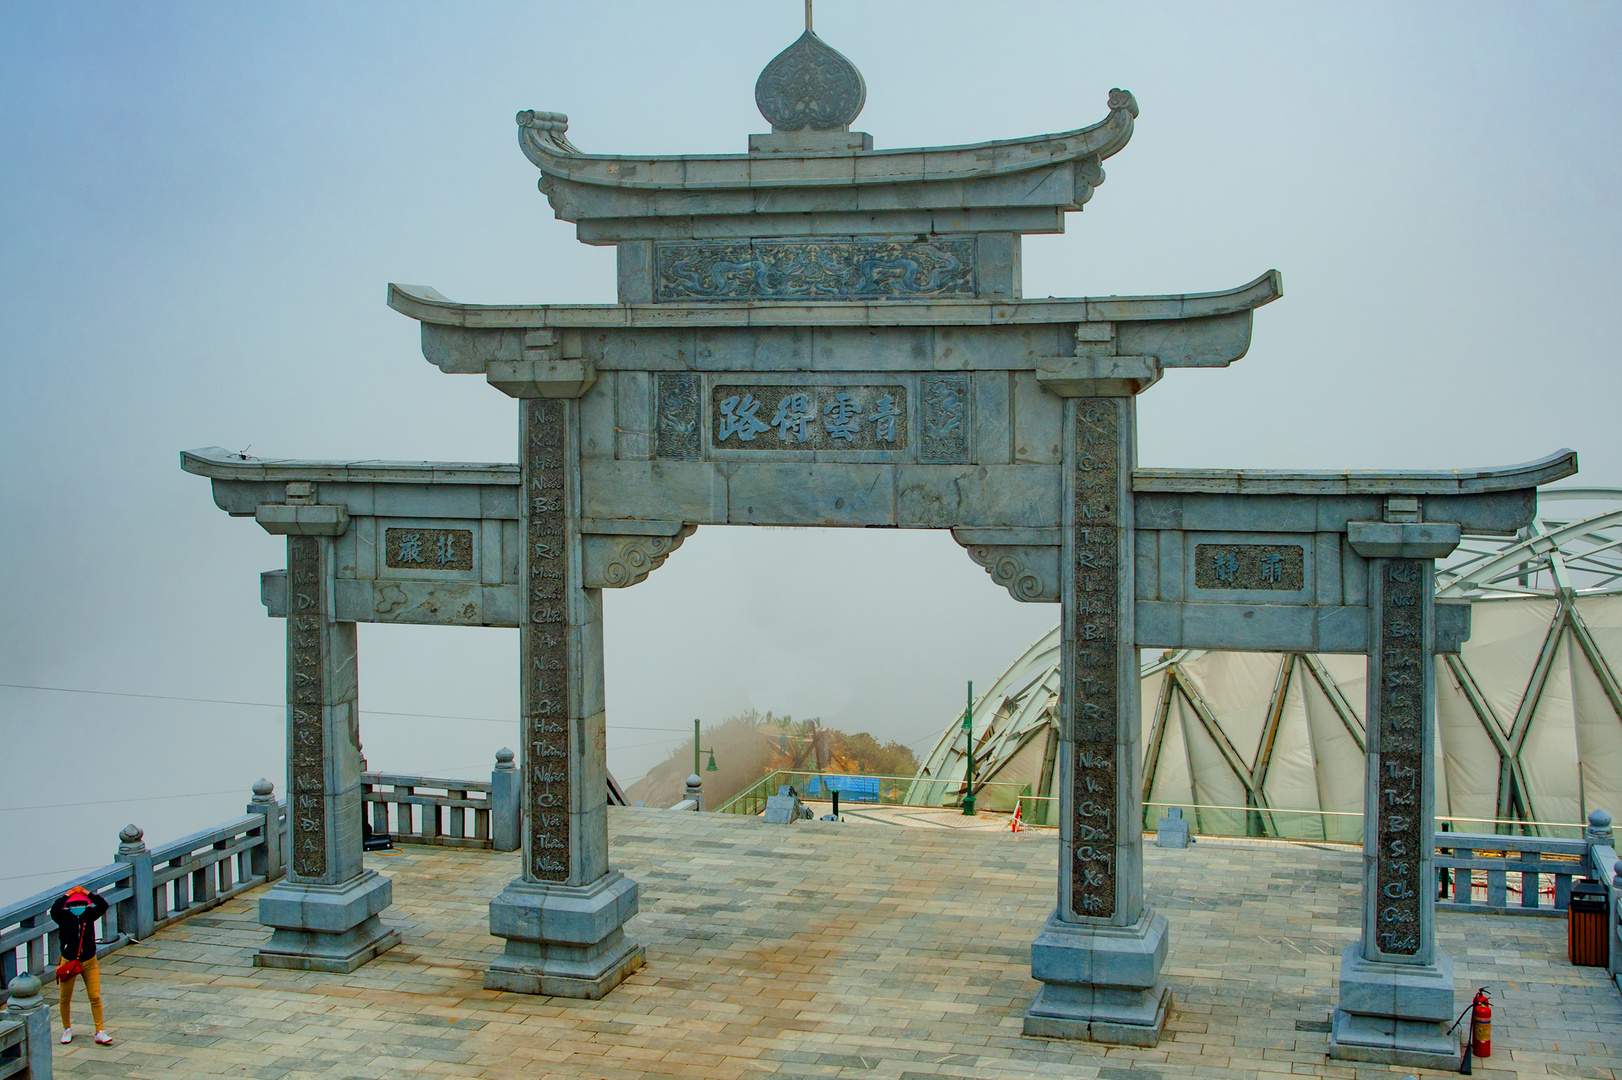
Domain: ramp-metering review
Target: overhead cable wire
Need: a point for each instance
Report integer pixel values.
(280, 705)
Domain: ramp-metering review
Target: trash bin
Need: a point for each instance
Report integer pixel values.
(1588, 937)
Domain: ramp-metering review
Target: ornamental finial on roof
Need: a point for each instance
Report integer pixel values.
(810, 84)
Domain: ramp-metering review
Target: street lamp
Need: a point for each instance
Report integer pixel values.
(711, 767)
(968, 748)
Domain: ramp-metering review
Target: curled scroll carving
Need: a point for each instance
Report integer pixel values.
(1029, 573)
(620, 561)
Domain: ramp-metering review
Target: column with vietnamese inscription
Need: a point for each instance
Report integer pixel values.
(563, 917)
(1396, 986)
(325, 910)
(1100, 953)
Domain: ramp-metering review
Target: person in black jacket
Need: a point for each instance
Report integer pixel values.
(76, 913)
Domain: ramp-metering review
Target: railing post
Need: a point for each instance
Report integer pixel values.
(695, 791)
(506, 810)
(267, 858)
(1599, 832)
(29, 1007)
(1602, 854)
(135, 914)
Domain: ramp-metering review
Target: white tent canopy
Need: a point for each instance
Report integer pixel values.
(1529, 713)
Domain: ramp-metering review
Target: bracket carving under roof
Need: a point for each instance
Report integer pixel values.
(1023, 561)
(618, 561)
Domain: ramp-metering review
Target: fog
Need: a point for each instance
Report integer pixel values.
(201, 204)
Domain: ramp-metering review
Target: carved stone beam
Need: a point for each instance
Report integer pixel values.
(1403, 539)
(543, 372)
(1023, 561)
(300, 515)
(619, 554)
(1098, 376)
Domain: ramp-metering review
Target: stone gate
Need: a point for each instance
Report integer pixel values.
(822, 333)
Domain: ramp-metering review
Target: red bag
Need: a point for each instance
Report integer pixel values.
(67, 969)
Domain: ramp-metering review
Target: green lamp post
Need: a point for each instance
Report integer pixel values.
(711, 767)
(968, 754)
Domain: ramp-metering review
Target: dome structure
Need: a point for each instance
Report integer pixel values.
(1529, 713)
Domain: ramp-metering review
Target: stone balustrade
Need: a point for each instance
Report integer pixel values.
(429, 810)
(146, 889)
(25, 1031)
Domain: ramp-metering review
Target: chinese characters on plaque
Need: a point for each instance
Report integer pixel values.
(1280, 567)
(428, 549)
(761, 417)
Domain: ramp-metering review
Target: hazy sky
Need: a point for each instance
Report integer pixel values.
(200, 206)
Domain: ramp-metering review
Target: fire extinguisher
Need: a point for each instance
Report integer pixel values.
(1480, 1044)
(1481, 1024)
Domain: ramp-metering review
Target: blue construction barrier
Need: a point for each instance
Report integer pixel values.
(858, 789)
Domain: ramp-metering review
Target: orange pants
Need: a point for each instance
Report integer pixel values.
(92, 988)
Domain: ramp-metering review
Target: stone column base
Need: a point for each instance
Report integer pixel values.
(1395, 1014)
(1101, 983)
(326, 927)
(564, 940)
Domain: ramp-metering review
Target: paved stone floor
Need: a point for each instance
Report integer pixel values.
(821, 950)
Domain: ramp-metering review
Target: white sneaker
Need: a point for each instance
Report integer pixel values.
(67, 1035)
(103, 1039)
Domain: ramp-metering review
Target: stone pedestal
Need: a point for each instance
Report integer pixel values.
(1100, 954)
(1396, 987)
(564, 940)
(326, 927)
(324, 911)
(563, 917)
(1100, 983)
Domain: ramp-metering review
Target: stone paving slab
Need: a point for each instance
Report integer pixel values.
(821, 950)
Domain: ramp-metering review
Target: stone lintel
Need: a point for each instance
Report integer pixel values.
(1098, 376)
(541, 378)
(281, 519)
(1403, 539)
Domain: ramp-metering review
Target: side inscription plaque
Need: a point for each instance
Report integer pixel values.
(1279, 567)
(306, 699)
(1399, 868)
(1095, 670)
(428, 549)
(545, 644)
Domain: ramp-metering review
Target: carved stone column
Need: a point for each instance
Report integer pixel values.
(1100, 953)
(325, 909)
(1396, 986)
(563, 917)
